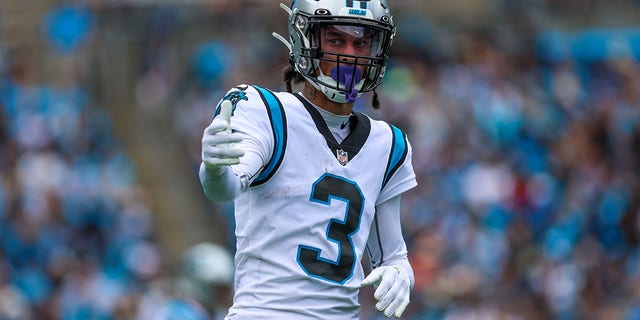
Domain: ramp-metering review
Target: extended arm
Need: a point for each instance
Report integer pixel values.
(229, 160)
(236, 145)
(218, 181)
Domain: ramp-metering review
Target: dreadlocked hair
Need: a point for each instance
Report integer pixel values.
(291, 75)
(375, 101)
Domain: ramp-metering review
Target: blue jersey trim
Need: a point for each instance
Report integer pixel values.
(399, 150)
(278, 121)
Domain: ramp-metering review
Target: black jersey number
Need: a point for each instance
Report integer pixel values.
(326, 189)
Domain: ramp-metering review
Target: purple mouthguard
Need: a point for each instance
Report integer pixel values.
(348, 76)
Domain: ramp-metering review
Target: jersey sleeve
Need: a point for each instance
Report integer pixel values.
(399, 175)
(250, 117)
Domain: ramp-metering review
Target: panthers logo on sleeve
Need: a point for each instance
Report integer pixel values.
(234, 95)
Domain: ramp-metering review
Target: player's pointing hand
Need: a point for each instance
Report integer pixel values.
(217, 140)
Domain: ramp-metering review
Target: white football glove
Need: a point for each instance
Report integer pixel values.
(393, 288)
(216, 140)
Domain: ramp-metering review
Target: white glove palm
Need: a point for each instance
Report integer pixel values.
(393, 288)
(216, 141)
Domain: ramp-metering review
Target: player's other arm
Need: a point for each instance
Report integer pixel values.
(392, 274)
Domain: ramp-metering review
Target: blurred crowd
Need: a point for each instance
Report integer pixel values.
(75, 230)
(529, 167)
(77, 238)
(526, 145)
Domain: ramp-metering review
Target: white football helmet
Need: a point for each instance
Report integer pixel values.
(354, 73)
(204, 268)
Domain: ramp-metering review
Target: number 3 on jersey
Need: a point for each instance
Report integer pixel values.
(326, 188)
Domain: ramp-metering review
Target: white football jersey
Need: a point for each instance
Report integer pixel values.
(303, 224)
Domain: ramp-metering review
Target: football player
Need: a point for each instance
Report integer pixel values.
(316, 185)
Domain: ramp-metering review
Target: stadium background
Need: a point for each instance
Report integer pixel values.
(524, 118)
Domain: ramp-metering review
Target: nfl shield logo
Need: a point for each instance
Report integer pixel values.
(343, 157)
